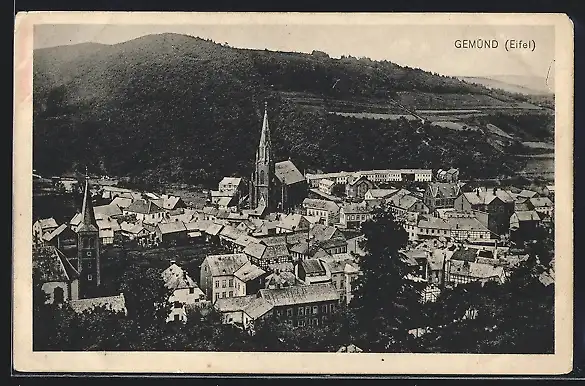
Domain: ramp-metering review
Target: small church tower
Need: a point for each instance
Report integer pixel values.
(88, 246)
(262, 185)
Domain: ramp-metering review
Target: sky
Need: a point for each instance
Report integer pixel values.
(429, 47)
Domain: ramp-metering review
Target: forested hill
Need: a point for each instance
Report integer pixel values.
(172, 107)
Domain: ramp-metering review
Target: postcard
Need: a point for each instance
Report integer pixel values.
(293, 193)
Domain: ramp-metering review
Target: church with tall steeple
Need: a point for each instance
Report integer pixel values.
(262, 180)
(88, 262)
(274, 186)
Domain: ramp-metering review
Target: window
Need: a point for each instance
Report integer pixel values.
(315, 322)
(289, 312)
(89, 264)
(300, 312)
(191, 290)
(231, 293)
(307, 310)
(88, 253)
(332, 307)
(217, 284)
(231, 283)
(223, 284)
(324, 308)
(176, 317)
(89, 277)
(223, 294)
(315, 309)
(178, 305)
(216, 296)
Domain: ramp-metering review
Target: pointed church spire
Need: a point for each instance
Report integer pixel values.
(88, 222)
(264, 148)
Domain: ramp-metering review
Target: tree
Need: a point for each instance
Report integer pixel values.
(516, 317)
(146, 294)
(385, 302)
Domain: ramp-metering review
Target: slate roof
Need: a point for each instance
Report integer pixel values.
(52, 265)
(55, 232)
(255, 250)
(313, 267)
(182, 217)
(224, 201)
(287, 173)
(231, 180)
(293, 295)
(360, 207)
(529, 215)
(214, 229)
(114, 303)
(168, 202)
(522, 206)
(444, 189)
(253, 306)
(433, 223)
(144, 207)
(484, 197)
(382, 193)
(121, 202)
(233, 304)
(293, 221)
(463, 254)
(282, 267)
(337, 265)
(280, 278)
(226, 264)
(354, 180)
(257, 307)
(244, 240)
(466, 224)
(199, 225)
(527, 193)
(323, 232)
(332, 243)
(248, 272)
(172, 227)
(541, 202)
(176, 278)
(107, 210)
(276, 251)
(231, 232)
(485, 271)
(301, 248)
(47, 223)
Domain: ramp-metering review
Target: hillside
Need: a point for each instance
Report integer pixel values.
(528, 85)
(174, 108)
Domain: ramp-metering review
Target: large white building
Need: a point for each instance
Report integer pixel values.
(379, 176)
